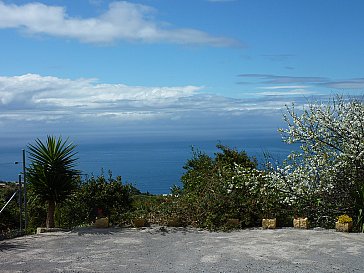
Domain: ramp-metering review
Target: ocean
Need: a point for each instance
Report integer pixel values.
(151, 165)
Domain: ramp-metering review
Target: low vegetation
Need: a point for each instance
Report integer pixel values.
(322, 180)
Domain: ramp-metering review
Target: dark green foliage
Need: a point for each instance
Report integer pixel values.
(111, 196)
(37, 211)
(153, 208)
(231, 157)
(52, 172)
(81, 207)
(97, 197)
(220, 188)
(10, 215)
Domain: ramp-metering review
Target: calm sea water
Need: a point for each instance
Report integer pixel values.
(152, 166)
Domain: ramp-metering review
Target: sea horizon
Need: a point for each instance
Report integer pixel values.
(151, 165)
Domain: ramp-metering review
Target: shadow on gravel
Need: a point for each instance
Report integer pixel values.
(162, 230)
(5, 246)
(94, 231)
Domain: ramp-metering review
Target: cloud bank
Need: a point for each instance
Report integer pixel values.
(122, 21)
(36, 97)
(355, 83)
(304, 86)
(52, 99)
(281, 79)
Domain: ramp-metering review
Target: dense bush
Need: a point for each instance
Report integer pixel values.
(97, 197)
(10, 216)
(224, 187)
(91, 198)
(37, 212)
(156, 209)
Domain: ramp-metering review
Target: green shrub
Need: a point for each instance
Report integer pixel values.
(96, 197)
(10, 215)
(228, 186)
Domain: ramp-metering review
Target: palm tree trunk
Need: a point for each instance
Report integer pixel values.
(50, 214)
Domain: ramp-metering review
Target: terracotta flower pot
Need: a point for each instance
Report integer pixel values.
(269, 223)
(344, 227)
(300, 223)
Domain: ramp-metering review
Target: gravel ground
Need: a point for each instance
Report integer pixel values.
(158, 249)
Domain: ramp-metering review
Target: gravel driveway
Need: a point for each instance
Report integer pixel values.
(184, 250)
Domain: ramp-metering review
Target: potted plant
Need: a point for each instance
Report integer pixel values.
(300, 222)
(344, 223)
(269, 203)
(269, 223)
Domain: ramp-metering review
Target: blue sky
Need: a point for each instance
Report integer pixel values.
(202, 68)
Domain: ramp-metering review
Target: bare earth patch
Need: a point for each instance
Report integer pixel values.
(184, 250)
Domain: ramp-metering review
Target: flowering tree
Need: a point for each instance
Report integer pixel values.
(329, 168)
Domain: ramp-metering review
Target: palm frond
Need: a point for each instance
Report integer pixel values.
(52, 168)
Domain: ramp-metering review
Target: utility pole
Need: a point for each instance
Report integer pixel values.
(25, 194)
(20, 204)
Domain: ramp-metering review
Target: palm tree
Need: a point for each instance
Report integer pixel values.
(51, 173)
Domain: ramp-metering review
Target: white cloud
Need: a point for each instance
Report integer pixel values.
(293, 92)
(286, 91)
(122, 21)
(32, 89)
(36, 97)
(284, 87)
(346, 84)
(285, 79)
